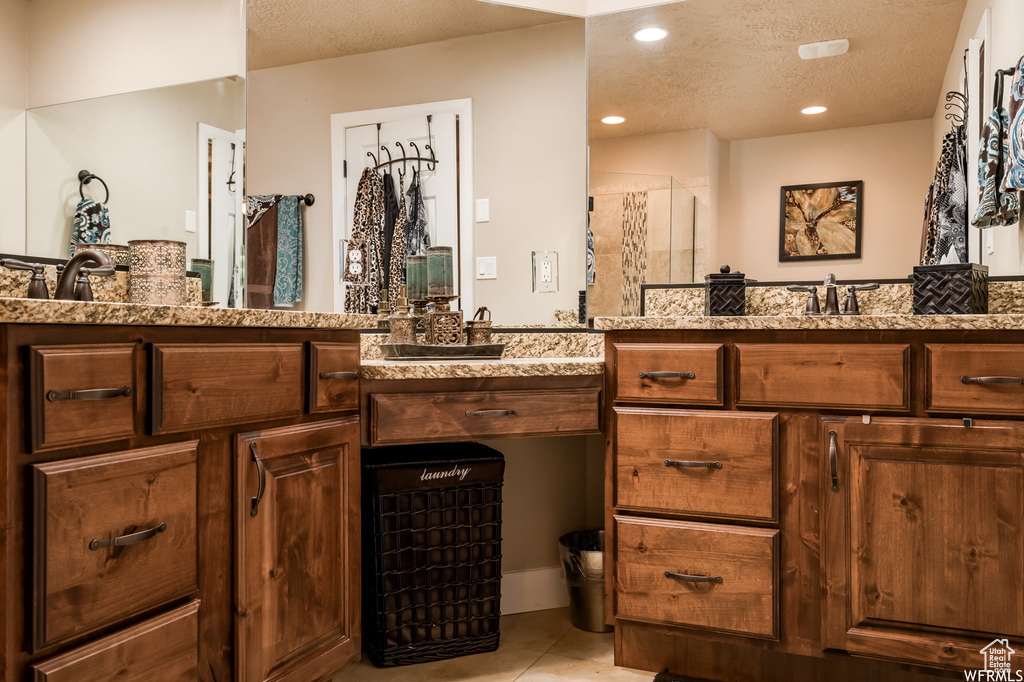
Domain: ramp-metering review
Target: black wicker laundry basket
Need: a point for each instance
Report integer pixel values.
(431, 551)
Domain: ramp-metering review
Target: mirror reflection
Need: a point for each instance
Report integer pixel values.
(506, 89)
(166, 163)
(716, 106)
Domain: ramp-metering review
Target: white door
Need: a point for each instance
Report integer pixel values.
(220, 186)
(355, 135)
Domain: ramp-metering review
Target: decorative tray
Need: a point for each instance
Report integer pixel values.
(415, 351)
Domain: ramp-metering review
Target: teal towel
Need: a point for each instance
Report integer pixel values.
(288, 276)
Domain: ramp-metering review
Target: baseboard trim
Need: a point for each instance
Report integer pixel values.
(534, 589)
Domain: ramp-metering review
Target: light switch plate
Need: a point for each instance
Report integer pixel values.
(545, 272)
(190, 221)
(487, 267)
(483, 210)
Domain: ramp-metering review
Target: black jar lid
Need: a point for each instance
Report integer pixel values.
(725, 276)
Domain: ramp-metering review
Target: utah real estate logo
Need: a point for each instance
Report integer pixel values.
(998, 667)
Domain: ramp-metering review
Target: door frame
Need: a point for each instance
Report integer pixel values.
(463, 108)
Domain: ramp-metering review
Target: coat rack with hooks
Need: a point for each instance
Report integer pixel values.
(404, 159)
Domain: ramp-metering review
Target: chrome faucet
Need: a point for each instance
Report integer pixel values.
(75, 274)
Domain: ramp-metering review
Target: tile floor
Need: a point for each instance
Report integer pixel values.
(539, 646)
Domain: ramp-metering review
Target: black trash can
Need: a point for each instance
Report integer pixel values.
(431, 551)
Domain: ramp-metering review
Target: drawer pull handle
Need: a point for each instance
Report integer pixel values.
(91, 394)
(680, 463)
(339, 375)
(991, 380)
(131, 539)
(666, 375)
(695, 578)
(833, 465)
(492, 413)
(263, 480)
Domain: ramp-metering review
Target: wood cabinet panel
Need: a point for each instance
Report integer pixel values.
(297, 551)
(147, 500)
(199, 385)
(1000, 366)
(81, 394)
(703, 360)
(653, 446)
(922, 539)
(842, 376)
(333, 376)
(744, 560)
(161, 649)
(425, 417)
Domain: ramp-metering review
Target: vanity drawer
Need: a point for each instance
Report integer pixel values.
(844, 376)
(949, 364)
(161, 649)
(81, 394)
(424, 417)
(698, 366)
(744, 560)
(81, 584)
(333, 376)
(661, 458)
(201, 385)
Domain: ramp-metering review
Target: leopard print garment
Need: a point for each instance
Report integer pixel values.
(396, 268)
(368, 223)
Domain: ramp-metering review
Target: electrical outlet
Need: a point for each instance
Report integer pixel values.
(483, 210)
(545, 272)
(487, 267)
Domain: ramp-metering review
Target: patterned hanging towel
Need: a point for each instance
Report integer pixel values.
(417, 236)
(950, 202)
(288, 270)
(995, 207)
(92, 224)
(1014, 175)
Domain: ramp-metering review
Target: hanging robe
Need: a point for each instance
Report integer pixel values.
(361, 284)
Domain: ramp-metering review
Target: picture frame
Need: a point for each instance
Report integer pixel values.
(821, 221)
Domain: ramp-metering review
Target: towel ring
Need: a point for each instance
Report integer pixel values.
(84, 178)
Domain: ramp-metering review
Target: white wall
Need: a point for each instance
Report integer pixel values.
(13, 98)
(529, 101)
(143, 145)
(1005, 47)
(894, 161)
(80, 49)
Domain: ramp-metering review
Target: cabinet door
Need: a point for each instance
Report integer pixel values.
(297, 551)
(923, 538)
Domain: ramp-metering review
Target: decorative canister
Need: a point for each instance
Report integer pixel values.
(725, 293)
(478, 331)
(117, 252)
(402, 323)
(156, 272)
(953, 289)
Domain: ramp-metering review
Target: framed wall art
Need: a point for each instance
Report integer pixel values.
(821, 221)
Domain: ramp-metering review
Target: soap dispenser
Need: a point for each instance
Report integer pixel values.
(402, 321)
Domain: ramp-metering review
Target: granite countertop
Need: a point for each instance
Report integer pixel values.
(886, 322)
(470, 369)
(30, 311)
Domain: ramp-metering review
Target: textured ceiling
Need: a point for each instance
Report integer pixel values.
(728, 65)
(732, 65)
(285, 32)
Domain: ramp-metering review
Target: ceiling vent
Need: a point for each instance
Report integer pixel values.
(828, 48)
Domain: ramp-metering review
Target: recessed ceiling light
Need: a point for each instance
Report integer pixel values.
(612, 120)
(648, 35)
(814, 110)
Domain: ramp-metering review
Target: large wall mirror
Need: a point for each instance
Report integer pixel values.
(155, 112)
(713, 130)
(320, 79)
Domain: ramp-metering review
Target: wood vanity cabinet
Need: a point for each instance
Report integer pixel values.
(835, 505)
(133, 548)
